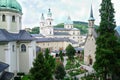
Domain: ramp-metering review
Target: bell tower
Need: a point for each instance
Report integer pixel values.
(49, 24)
(42, 24)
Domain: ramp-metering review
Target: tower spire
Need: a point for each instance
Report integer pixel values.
(91, 18)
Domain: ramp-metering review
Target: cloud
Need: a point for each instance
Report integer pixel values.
(77, 9)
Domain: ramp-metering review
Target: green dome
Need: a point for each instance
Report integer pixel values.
(10, 5)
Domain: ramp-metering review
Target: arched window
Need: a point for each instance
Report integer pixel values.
(3, 18)
(13, 18)
(50, 23)
(13, 48)
(23, 48)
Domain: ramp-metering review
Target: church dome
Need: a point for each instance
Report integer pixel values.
(10, 5)
(68, 21)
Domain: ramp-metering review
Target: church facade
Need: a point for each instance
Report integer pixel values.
(57, 38)
(17, 47)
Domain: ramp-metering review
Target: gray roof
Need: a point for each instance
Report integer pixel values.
(79, 49)
(3, 66)
(6, 75)
(37, 35)
(22, 36)
(55, 40)
(61, 33)
(64, 29)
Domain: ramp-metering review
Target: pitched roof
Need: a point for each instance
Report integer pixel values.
(56, 40)
(3, 66)
(37, 35)
(22, 35)
(6, 75)
(64, 29)
(61, 33)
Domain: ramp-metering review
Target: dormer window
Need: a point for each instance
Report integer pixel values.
(13, 18)
(3, 17)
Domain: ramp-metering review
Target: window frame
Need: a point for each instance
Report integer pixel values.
(3, 18)
(13, 18)
(23, 48)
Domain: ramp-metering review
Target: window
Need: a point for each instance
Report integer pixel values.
(73, 33)
(3, 18)
(68, 26)
(20, 20)
(13, 48)
(23, 48)
(13, 18)
(50, 23)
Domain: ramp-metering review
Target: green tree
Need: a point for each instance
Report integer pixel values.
(60, 72)
(47, 52)
(36, 72)
(61, 56)
(35, 30)
(107, 50)
(43, 68)
(70, 51)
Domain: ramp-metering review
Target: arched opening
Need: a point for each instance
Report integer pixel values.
(23, 48)
(78, 52)
(13, 18)
(90, 60)
(3, 17)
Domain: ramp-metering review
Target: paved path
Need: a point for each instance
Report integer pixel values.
(88, 68)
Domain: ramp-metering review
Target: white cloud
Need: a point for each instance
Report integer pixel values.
(77, 9)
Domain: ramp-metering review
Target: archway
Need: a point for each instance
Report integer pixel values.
(90, 60)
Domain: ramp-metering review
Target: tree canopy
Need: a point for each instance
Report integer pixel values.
(108, 48)
(70, 51)
(43, 68)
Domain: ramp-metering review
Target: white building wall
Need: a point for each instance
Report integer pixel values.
(89, 49)
(24, 59)
(13, 27)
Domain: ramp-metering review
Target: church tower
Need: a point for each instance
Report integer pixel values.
(46, 26)
(42, 24)
(68, 23)
(90, 46)
(91, 22)
(49, 24)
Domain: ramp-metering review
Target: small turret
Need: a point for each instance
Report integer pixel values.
(49, 15)
(49, 18)
(42, 18)
(68, 23)
(42, 23)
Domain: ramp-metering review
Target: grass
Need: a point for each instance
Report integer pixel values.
(26, 77)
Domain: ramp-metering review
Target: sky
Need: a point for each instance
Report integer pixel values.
(78, 10)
